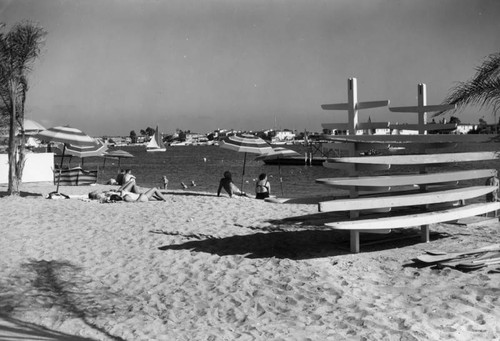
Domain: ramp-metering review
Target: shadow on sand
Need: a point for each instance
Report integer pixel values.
(13, 329)
(22, 195)
(53, 284)
(296, 245)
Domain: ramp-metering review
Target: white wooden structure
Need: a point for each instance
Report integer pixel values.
(431, 197)
(38, 168)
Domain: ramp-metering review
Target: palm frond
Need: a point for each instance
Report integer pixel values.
(483, 89)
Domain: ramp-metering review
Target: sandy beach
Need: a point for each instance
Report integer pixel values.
(199, 267)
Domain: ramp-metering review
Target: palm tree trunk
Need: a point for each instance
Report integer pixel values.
(13, 188)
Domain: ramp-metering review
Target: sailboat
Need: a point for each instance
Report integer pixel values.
(156, 143)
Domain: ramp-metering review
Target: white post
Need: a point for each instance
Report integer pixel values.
(422, 114)
(422, 108)
(352, 94)
(353, 106)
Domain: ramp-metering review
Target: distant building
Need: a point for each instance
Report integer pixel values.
(465, 128)
(284, 135)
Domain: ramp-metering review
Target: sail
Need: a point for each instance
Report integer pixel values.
(152, 143)
(158, 138)
(156, 142)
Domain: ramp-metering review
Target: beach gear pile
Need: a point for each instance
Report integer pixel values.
(465, 260)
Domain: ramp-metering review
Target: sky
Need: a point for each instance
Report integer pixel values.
(112, 66)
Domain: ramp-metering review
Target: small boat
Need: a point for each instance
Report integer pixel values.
(179, 144)
(156, 143)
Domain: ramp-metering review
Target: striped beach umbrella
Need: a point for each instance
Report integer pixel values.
(116, 154)
(98, 149)
(245, 143)
(67, 136)
(278, 153)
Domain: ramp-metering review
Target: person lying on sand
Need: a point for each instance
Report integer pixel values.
(227, 183)
(151, 194)
(129, 193)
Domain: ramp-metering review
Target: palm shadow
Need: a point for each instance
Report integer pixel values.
(53, 284)
(14, 329)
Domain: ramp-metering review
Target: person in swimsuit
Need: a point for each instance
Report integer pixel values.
(227, 183)
(151, 194)
(129, 192)
(128, 176)
(262, 187)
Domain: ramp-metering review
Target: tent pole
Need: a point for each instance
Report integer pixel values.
(243, 174)
(281, 179)
(60, 168)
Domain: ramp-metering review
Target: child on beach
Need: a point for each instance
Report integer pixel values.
(262, 187)
(227, 183)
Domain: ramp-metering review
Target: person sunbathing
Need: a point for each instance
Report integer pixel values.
(227, 183)
(151, 194)
(262, 187)
(129, 192)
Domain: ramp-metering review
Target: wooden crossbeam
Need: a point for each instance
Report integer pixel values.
(425, 127)
(352, 106)
(422, 108)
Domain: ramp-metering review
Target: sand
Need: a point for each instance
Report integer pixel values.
(199, 267)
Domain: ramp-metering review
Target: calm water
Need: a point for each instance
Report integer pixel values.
(205, 165)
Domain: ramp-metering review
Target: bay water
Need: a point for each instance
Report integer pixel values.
(204, 166)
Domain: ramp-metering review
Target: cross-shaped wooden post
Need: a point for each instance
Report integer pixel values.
(352, 106)
(422, 108)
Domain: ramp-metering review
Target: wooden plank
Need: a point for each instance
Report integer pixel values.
(372, 104)
(360, 125)
(416, 219)
(355, 146)
(337, 106)
(373, 125)
(428, 127)
(407, 179)
(425, 108)
(405, 200)
(419, 159)
(387, 146)
(419, 138)
(359, 167)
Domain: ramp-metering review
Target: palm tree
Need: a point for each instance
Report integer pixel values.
(483, 89)
(19, 48)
